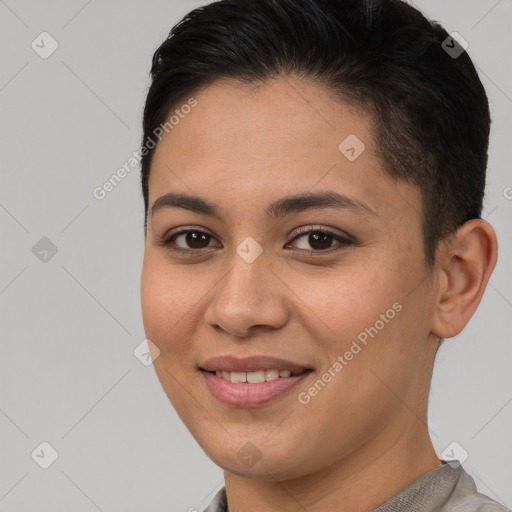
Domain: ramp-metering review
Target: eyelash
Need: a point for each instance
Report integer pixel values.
(344, 241)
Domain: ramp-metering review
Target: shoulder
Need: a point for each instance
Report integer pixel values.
(466, 498)
(481, 503)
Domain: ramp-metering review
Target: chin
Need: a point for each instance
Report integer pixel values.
(252, 460)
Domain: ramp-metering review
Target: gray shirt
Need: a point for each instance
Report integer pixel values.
(447, 488)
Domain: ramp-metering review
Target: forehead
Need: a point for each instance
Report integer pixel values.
(288, 115)
(254, 141)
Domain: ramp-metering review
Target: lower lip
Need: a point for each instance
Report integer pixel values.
(243, 394)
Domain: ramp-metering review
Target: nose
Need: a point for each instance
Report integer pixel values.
(250, 297)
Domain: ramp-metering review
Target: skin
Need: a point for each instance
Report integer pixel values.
(243, 147)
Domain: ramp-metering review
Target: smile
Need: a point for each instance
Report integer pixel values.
(254, 377)
(251, 381)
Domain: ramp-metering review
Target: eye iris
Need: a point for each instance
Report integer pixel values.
(317, 240)
(324, 238)
(196, 240)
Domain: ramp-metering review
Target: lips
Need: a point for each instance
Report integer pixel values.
(251, 381)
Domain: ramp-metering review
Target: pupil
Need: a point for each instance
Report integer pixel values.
(196, 240)
(323, 237)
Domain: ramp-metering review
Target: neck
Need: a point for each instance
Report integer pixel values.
(360, 482)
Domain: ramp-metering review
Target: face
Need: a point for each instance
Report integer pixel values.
(300, 266)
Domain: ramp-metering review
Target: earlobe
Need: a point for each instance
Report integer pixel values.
(465, 263)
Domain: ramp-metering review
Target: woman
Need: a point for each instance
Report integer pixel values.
(313, 174)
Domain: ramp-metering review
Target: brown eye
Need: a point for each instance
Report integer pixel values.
(319, 240)
(197, 239)
(187, 240)
(313, 241)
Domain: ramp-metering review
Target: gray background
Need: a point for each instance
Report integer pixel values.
(70, 324)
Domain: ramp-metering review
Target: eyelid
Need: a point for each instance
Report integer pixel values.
(165, 240)
(320, 228)
(343, 239)
(184, 229)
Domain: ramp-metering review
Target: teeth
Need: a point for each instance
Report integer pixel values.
(238, 377)
(271, 375)
(254, 377)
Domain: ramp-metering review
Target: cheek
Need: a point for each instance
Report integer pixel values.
(153, 297)
(382, 345)
(349, 302)
(167, 301)
(376, 316)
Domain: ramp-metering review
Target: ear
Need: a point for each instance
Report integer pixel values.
(464, 262)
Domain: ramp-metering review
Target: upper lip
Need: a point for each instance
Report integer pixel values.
(231, 363)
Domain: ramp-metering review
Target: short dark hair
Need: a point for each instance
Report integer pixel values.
(430, 109)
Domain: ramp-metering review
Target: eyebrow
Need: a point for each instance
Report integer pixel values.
(280, 208)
